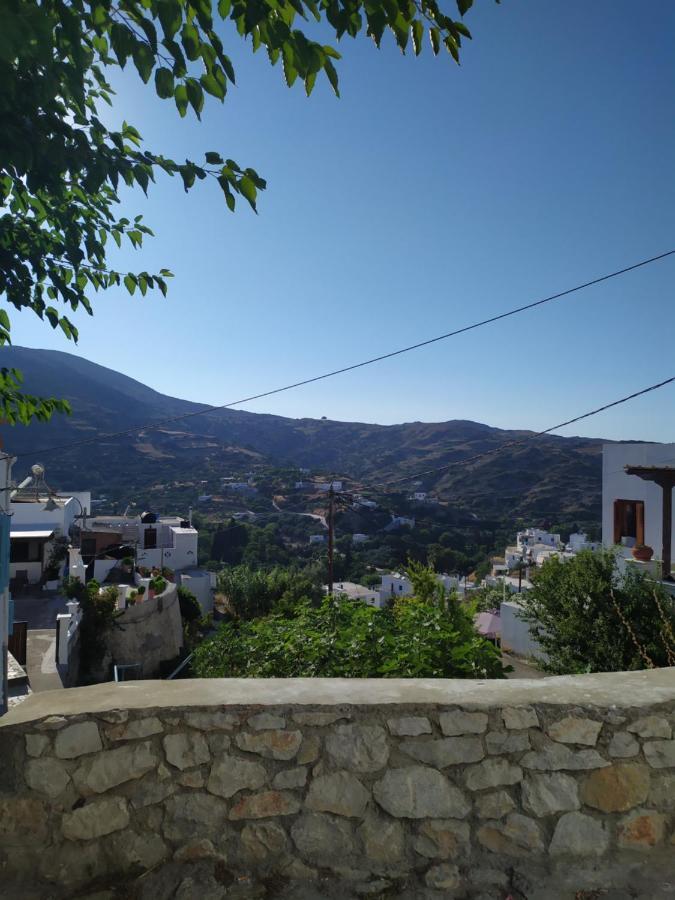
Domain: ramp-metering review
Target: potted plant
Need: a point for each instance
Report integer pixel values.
(642, 552)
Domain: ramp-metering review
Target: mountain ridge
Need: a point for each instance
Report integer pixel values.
(545, 476)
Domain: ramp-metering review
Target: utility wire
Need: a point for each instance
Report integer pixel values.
(368, 362)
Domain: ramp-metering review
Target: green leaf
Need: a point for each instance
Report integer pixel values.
(435, 38)
(164, 83)
(464, 6)
(181, 97)
(332, 76)
(195, 95)
(417, 31)
(130, 282)
(190, 41)
(144, 60)
(248, 190)
(224, 7)
(170, 16)
(310, 82)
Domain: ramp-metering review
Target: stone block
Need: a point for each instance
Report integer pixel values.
(319, 719)
(149, 790)
(186, 750)
(191, 779)
(546, 794)
(358, 748)
(132, 851)
(191, 816)
(137, 729)
(573, 730)
(651, 727)
(517, 718)
(662, 791)
(95, 819)
(271, 744)
(443, 877)
(209, 721)
(660, 754)
(617, 788)
(52, 723)
(443, 839)
(112, 767)
(417, 792)
(452, 751)
(78, 739)
(579, 835)
(322, 839)
(266, 805)
(265, 721)
(231, 774)
(114, 716)
(494, 806)
(290, 778)
(383, 839)
(409, 726)
(197, 849)
(36, 744)
(459, 722)
(339, 792)
(517, 836)
(309, 749)
(22, 819)
(623, 745)
(262, 841)
(492, 773)
(554, 757)
(47, 776)
(641, 829)
(498, 742)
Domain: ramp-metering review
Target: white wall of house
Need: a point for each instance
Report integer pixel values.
(6, 617)
(617, 485)
(516, 636)
(176, 548)
(198, 582)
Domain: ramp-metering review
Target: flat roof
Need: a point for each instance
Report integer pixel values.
(36, 533)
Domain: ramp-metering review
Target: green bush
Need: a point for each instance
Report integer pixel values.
(587, 617)
(253, 592)
(190, 609)
(345, 638)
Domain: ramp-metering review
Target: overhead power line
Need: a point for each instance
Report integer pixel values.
(517, 443)
(367, 362)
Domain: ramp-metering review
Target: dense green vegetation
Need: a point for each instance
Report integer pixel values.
(281, 626)
(588, 617)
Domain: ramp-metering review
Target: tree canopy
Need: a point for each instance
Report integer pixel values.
(61, 166)
(588, 617)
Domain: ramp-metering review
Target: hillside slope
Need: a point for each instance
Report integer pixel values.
(548, 477)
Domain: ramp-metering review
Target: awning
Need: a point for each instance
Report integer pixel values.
(488, 624)
(35, 535)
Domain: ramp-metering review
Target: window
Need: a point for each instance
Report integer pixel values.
(629, 520)
(88, 546)
(150, 538)
(24, 551)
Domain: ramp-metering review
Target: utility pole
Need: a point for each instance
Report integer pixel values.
(331, 535)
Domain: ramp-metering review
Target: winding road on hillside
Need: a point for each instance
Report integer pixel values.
(292, 512)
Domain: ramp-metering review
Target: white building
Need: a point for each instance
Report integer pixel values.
(531, 536)
(6, 611)
(317, 538)
(156, 541)
(579, 541)
(366, 504)
(40, 515)
(400, 522)
(359, 538)
(419, 496)
(397, 585)
(357, 592)
(632, 509)
(326, 485)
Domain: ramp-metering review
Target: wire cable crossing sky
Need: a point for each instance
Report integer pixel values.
(368, 362)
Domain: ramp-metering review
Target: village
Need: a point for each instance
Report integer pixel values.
(143, 561)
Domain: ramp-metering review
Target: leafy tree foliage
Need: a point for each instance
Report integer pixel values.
(588, 617)
(253, 592)
(345, 638)
(61, 167)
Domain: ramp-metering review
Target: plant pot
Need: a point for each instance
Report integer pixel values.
(642, 554)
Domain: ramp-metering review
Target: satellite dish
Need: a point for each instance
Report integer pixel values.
(38, 470)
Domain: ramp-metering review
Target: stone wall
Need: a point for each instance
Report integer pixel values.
(148, 633)
(558, 788)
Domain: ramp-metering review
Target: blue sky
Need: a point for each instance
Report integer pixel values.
(427, 197)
